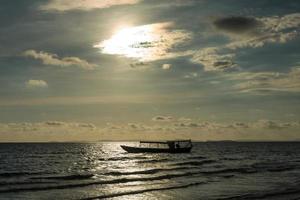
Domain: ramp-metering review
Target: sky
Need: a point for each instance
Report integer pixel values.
(89, 70)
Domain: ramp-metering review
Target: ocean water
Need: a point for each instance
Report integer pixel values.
(213, 170)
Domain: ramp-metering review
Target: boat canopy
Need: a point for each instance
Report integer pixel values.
(155, 142)
(165, 142)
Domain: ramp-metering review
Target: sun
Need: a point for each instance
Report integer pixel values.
(144, 43)
(134, 42)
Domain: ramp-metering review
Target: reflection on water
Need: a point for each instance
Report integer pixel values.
(104, 170)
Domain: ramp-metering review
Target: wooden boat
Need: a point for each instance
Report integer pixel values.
(174, 146)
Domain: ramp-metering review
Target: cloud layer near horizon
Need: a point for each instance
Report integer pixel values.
(261, 130)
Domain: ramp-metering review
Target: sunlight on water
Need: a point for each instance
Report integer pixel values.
(104, 170)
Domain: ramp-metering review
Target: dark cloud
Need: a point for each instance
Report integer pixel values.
(237, 24)
(54, 123)
(224, 65)
(162, 118)
(138, 65)
(188, 124)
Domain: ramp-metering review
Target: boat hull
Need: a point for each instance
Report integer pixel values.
(155, 150)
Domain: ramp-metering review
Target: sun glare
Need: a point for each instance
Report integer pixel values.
(134, 42)
(144, 43)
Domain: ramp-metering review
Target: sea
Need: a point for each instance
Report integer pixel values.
(102, 170)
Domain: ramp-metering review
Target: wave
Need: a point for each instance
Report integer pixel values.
(250, 170)
(149, 171)
(274, 167)
(114, 181)
(153, 160)
(17, 174)
(230, 158)
(232, 170)
(122, 158)
(281, 169)
(267, 195)
(143, 191)
(25, 183)
(196, 163)
(122, 180)
(70, 177)
(197, 157)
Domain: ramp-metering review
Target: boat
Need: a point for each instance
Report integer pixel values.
(171, 146)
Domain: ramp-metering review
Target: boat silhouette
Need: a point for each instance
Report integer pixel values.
(171, 146)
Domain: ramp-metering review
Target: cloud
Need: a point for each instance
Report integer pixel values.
(67, 5)
(184, 119)
(139, 65)
(140, 127)
(280, 23)
(269, 124)
(191, 75)
(188, 125)
(246, 32)
(49, 126)
(263, 124)
(46, 127)
(260, 124)
(260, 41)
(272, 29)
(162, 118)
(166, 66)
(53, 59)
(181, 123)
(68, 124)
(238, 125)
(196, 130)
(268, 81)
(36, 84)
(54, 123)
(238, 25)
(213, 61)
